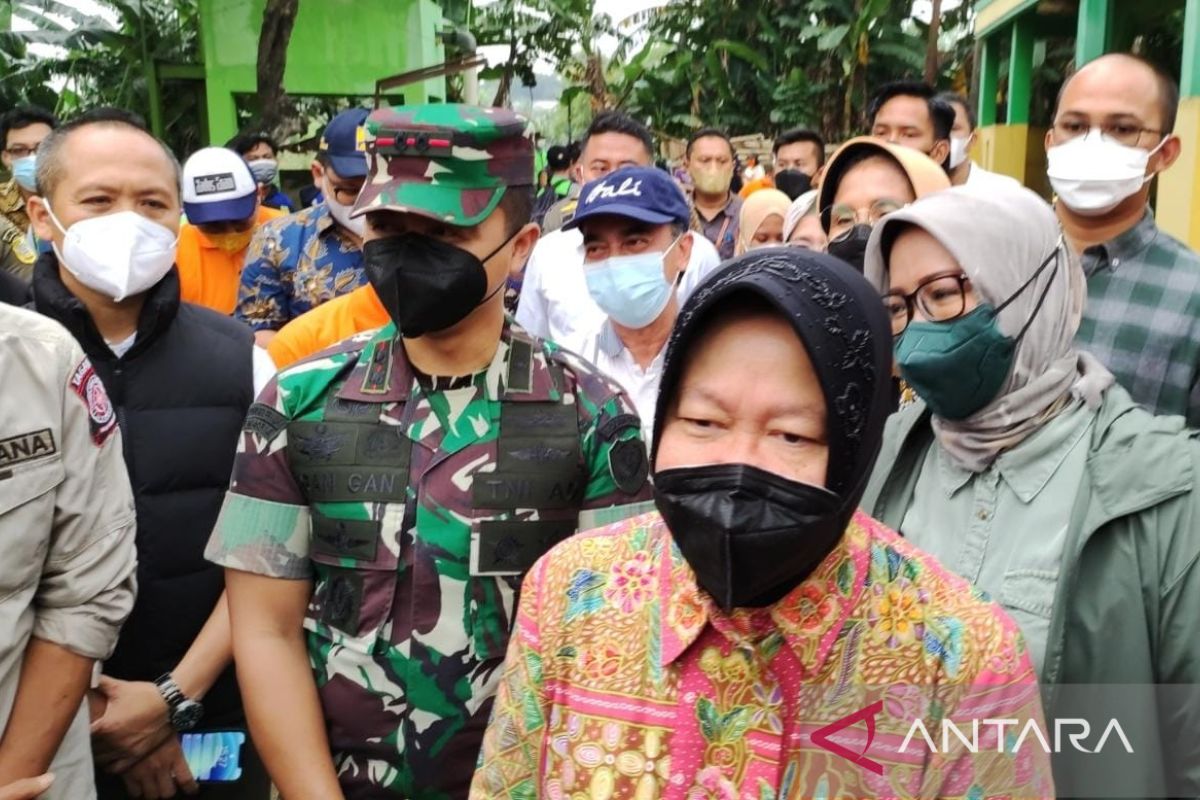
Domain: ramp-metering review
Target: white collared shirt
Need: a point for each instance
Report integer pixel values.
(604, 348)
(980, 178)
(555, 303)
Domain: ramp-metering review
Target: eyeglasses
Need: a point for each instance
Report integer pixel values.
(1123, 133)
(21, 151)
(940, 298)
(346, 195)
(845, 216)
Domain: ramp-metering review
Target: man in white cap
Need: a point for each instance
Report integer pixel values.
(221, 202)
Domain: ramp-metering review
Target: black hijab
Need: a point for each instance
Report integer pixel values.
(841, 322)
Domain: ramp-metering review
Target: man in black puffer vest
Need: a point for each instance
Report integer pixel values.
(180, 378)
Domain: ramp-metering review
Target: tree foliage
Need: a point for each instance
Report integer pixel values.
(96, 61)
(766, 65)
(562, 32)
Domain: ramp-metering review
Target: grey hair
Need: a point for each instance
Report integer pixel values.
(50, 166)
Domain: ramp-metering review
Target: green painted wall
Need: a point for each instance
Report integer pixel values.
(1095, 30)
(1189, 80)
(338, 47)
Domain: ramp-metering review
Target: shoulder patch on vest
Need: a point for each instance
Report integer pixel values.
(264, 421)
(102, 417)
(629, 465)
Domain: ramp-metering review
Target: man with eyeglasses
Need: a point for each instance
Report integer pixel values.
(1111, 136)
(21, 130)
(301, 261)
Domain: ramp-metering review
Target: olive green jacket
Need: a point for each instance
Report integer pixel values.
(1127, 604)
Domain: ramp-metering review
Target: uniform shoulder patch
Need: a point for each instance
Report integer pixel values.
(102, 417)
(264, 421)
(16, 241)
(629, 465)
(611, 428)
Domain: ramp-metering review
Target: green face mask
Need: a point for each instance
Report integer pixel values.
(956, 367)
(959, 366)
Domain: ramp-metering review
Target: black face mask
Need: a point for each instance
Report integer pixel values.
(793, 182)
(425, 284)
(851, 246)
(750, 535)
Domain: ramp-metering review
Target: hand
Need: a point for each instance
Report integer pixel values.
(96, 704)
(26, 789)
(134, 723)
(160, 773)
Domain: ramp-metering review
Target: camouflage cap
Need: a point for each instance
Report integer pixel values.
(446, 161)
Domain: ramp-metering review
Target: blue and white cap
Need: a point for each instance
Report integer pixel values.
(646, 194)
(218, 187)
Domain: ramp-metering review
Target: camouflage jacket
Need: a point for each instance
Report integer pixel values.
(415, 504)
(12, 205)
(16, 253)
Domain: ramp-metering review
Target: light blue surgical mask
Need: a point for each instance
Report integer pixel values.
(24, 170)
(631, 290)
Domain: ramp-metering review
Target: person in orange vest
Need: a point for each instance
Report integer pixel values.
(221, 202)
(326, 325)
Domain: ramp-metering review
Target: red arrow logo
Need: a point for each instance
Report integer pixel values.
(821, 736)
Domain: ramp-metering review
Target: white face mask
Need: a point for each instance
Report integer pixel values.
(1092, 175)
(118, 255)
(341, 214)
(958, 150)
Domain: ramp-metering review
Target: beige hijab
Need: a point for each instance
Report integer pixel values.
(755, 210)
(1000, 238)
(801, 207)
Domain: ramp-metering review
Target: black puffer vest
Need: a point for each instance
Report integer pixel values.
(181, 394)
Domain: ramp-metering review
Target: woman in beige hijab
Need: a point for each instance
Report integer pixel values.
(866, 180)
(761, 220)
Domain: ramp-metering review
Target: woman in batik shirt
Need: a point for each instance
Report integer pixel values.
(758, 636)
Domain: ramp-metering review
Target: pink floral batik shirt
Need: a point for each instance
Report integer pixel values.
(623, 680)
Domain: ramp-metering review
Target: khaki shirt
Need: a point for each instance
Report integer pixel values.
(67, 557)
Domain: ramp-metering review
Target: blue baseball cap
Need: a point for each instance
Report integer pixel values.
(646, 194)
(344, 143)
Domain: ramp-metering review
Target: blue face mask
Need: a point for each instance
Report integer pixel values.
(24, 170)
(632, 290)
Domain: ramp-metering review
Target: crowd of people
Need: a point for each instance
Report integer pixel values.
(625, 479)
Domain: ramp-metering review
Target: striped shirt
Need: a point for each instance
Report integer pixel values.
(1142, 317)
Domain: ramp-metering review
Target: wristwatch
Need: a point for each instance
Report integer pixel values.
(182, 712)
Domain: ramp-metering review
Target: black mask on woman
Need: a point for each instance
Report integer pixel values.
(752, 536)
(851, 246)
(425, 284)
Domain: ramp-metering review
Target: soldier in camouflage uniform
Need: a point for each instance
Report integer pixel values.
(393, 511)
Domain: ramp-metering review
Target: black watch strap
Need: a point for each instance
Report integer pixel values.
(170, 692)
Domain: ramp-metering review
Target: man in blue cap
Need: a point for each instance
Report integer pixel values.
(636, 246)
(301, 261)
